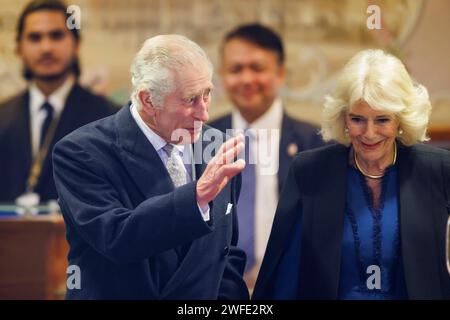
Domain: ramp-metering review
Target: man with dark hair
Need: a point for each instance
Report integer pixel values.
(253, 73)
(53, 105)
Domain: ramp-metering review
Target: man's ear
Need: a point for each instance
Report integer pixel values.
(282, 74)
(146, 103)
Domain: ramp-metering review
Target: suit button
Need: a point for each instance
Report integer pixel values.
(226, 250)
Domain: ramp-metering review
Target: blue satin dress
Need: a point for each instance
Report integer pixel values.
(371, 266)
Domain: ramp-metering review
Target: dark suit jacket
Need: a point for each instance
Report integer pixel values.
(303, 135)
(126, 223)
(15, 139)
(316, 187)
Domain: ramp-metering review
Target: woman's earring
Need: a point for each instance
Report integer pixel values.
(400, 131)
(346, 131)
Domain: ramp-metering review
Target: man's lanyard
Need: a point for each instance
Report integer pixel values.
(36, 167)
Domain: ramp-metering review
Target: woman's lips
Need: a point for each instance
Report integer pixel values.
(371, 146)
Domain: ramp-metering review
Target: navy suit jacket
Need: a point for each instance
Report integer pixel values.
(132, 234)
(293, 133)
(313, 200)
(15, 139)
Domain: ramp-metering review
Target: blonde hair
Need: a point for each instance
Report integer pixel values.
(381, 80)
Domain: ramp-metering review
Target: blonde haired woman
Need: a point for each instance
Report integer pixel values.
(364, 218)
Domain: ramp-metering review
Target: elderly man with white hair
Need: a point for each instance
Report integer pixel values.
(144, 219)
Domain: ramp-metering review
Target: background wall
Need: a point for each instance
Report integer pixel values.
(320, 36)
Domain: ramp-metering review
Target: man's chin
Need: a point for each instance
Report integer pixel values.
(49, 77)
(250, 106)
(48, 74)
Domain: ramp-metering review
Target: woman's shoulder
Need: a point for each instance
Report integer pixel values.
(428, 152)
(315, 164)
(321, 154)
(426, 156)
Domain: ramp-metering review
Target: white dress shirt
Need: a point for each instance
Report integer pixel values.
(184, 153)
(266, 170)
(37, 116)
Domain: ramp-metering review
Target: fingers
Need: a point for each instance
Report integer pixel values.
(228, 171)
(232, 141)
(230, 155)
(214, 179)
(230, 149)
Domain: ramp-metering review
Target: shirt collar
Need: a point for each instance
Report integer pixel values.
(157, 142)
(57, 99)
(271, 119)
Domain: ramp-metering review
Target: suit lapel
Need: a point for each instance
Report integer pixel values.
(287, 133)
(22, 138)
(417, 226)
(67, 122)
(139, 157)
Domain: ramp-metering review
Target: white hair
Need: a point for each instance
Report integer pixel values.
(154, 65)
(381, 80)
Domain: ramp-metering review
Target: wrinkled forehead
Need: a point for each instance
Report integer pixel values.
(193, 78)
(361, 107)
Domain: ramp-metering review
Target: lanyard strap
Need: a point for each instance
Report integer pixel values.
(36, 166)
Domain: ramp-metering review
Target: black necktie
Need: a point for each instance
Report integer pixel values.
(48, 120)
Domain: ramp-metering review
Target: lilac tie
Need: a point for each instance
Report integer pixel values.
(246, 206)
(174, 166)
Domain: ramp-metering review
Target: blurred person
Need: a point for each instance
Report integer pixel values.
(365, 218)
(53, 105)
(253, 72)
(143, 220)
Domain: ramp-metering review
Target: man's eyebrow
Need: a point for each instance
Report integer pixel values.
(56, 30)
(200, 92)
(34, 33)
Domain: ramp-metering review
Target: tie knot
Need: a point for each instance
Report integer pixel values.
(47, 107)
(168, 149)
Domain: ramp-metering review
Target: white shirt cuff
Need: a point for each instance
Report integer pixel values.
(204, 212)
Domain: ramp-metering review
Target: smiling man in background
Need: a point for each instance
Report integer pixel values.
(253, 73)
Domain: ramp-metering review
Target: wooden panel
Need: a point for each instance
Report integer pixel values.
(33, 257)
(439, 133)
(440, 136)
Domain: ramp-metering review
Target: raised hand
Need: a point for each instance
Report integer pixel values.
(220, 170)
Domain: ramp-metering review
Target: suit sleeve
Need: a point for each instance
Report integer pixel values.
(92, 206)
(232, 286)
